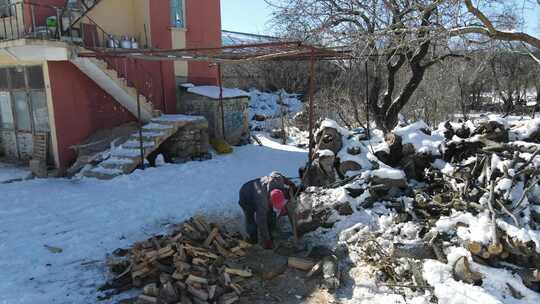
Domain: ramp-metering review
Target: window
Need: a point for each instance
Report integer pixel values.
(40, 112)
(35, 77)
(6, 10)
(17, 78)
(22, 112)
(4, 84)
(177, 13)
(6, 114)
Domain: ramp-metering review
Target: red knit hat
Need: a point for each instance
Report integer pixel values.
(278, 199)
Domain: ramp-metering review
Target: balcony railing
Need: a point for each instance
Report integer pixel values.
(29, 20)
(24, 19)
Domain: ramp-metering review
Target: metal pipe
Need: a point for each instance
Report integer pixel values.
(220, 81)
(311, 114)
(33, 13)
(58, 29)
(141, 143)
(162, 87)
(5, 27)
(17, 20)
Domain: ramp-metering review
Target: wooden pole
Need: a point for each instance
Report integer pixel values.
(220, 81)
(311, 114)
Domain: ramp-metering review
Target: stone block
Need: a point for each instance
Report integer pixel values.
(38, 168)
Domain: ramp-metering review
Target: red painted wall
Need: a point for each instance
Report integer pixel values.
(42, 10)
(203, 22)
(80, 108)
(162, 39)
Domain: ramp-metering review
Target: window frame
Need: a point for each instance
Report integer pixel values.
(173, 23)
(28, 92)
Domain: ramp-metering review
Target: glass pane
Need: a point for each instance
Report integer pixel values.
(22, 112)
(40, 111)
(35, 77)
(177, 13)
(6, 115)
(17, 78)
(5, 9)
(3, 79)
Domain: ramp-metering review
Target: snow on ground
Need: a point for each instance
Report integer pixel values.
(88, 218)
(268, 105)
(10, 172)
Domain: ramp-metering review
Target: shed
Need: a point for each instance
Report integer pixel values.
(205, 101)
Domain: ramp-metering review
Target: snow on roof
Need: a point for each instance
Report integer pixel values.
(213, 92)
(176, 117)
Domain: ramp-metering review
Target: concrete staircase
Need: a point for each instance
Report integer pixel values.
(127, 157)
(116, 86)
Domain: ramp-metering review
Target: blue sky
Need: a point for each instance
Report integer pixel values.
(252, 16)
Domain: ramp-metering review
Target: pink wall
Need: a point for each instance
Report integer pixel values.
(80, 108)
(203, 30)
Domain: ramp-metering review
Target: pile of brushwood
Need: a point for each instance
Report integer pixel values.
(190, 265)
(473, 201)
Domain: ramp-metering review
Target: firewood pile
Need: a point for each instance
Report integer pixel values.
(479, 192)
(194, 264)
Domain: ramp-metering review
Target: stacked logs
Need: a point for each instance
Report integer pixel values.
(194, 264)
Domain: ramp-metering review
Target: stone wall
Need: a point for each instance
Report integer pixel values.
(235, 114)
(189, 143)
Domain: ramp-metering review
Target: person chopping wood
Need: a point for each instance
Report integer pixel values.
(263, 200)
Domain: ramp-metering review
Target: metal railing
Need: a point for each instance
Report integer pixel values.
(25, 19)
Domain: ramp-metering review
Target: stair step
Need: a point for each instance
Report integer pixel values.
(135, 144)
(156, 127)
(103, 173)
(126, 153)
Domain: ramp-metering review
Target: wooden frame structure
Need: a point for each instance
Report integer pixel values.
(234, 54)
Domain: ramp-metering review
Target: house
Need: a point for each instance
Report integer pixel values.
(51, 96)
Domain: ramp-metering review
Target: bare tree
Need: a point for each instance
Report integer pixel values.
(400, 39)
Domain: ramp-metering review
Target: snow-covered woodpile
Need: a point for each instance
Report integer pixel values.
(446, 214)
(191, 265)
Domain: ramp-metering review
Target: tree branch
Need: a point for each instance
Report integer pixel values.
(490, 30)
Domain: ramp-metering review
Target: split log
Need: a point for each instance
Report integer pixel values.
(144, 299)
(211, 237)
(151, 290)
(228, 298)
(301, 264)
(195, 279)
(239, 272)
(198, 293)
(169, 294)
(462, 272)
